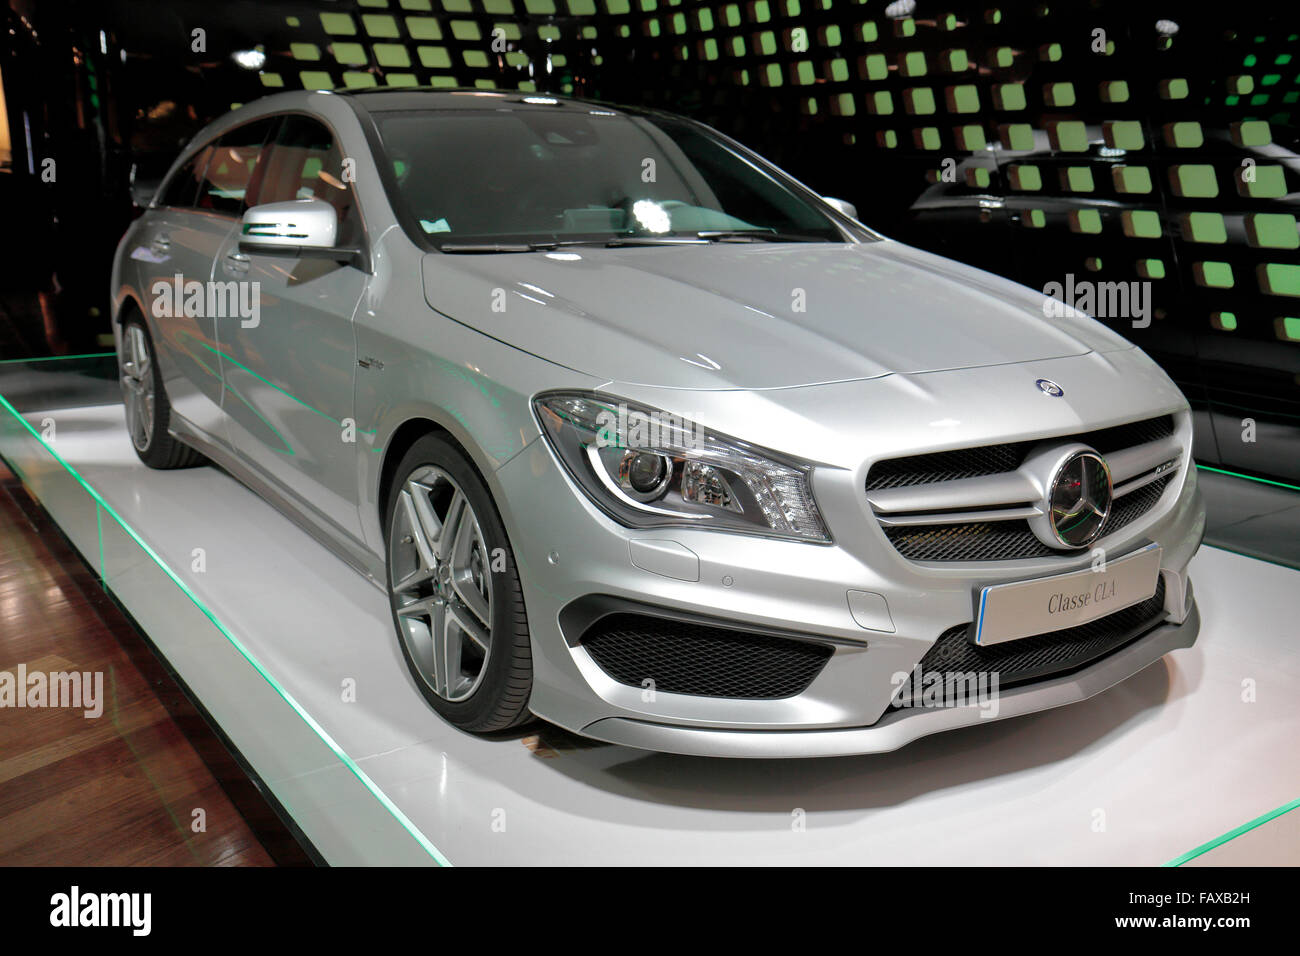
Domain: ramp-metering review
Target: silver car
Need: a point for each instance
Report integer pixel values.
(647, 439)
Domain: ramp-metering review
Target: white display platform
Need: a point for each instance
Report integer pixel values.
(1145, 772)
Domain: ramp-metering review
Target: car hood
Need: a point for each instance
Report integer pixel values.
(730, 315)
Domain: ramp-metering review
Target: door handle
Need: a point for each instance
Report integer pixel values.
(160, 243)
(236, 262)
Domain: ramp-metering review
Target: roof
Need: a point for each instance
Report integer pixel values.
(386, 99)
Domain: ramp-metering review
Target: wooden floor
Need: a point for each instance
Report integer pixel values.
(118, 790)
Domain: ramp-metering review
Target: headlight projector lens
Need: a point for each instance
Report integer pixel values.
(645, 476)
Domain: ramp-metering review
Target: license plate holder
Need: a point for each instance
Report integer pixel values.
(1019, 609)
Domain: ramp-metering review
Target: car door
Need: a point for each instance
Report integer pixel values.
(289, 374)
(177, 248)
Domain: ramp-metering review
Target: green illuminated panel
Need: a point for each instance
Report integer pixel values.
(349, 53)
(1277, 278)
(970, 137)
(918, 101)
(391, 54)
(1141, 224)
(1077, 179)
(1204, 227)
(1173, 89)
(1113, 91)
(1184, 135)
(911, 64)
(927, 137)
(1272, 231)
(1251, 133)
(423, 28)
(1193, 181)
(1016, 136)
(1213, 275)
(1261, 182)
(1224, 321)
(962, 99)
(1123, 134)
(1009, 96)
(874, 66)
(380, 25)
(1085, 221)
(1058, 94)
(338, 24)
(1069, 136)
(1025, 178)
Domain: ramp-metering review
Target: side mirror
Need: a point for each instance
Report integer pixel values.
(847, 208)
(142, 187)
(296, 229)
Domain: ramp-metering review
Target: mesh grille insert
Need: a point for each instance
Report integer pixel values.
(995, 459)
(1008, 540)
(1038, 657)
(687, 658)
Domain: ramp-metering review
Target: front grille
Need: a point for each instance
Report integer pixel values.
(1007, 540)
(1010, 539)
(995, 459)
(686, 658)
(1032, 658)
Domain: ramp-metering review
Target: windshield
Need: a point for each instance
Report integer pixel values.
(492, 179)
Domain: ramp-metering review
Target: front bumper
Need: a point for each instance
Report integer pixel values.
(567, 551)
(904, 726)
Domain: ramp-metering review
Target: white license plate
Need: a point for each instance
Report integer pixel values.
(1011, 611)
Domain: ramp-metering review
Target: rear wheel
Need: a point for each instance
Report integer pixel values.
(148, 413)
(454, 591)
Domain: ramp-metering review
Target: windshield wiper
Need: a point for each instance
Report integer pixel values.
(757, 235)
(653, 241)
(469, 247)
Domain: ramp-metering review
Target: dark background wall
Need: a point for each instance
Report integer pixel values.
(1127, 141)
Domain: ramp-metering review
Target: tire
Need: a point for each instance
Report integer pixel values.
(470, 656)
(148, 412)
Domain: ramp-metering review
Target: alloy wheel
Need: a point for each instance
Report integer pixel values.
(137, 386)
(441, 583)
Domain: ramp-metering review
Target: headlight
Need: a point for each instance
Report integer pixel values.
(647, 468)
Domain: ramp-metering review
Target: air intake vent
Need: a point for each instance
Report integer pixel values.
(1033, 658)
(685, 658)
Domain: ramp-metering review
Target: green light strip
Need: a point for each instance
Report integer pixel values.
(288, 698)
(57, 358)
(1237, 474)
(99, 526)
(1233, 834)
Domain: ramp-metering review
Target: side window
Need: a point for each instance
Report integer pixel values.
(229, 178)
(182, 187)
(306, 163)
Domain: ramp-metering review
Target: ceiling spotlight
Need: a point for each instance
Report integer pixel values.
(900, 9)
(249, 59)
(1166, 28)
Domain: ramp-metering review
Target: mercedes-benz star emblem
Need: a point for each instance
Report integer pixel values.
(1048, 387)
(1079, 499)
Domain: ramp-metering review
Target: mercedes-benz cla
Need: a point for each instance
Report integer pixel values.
(644, 437)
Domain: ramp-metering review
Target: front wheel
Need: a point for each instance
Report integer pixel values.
(148, 412)
(454, 591)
